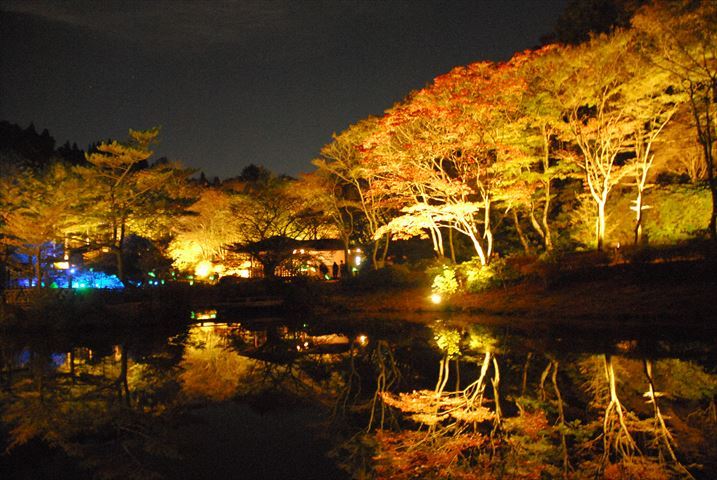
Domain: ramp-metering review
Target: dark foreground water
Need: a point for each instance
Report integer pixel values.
(360, 398)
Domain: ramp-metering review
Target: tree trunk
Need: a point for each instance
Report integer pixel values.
(638, 217)
(704, 136)
(601, 226)
(124, 384)
(450, 244)
(548, 241)
(120, 263)
(547, 238)
(521, 234)
(38, 268)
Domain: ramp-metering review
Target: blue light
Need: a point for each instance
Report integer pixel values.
(96, 280)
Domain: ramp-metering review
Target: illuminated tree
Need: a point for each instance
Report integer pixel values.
(591, 86)
(540, 120)
(128, 198)
(325, 194)
(271, 216)
(681, 38)
(40, 210)
(207, 230)
(343, 159)
(447, 154)
(651, 105)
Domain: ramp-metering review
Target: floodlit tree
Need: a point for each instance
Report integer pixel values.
(342, 158)
(271, 217)
(450, 154)
(681, 38)
(207, 230)
(325, 195)
(651, 103)
(128, 198)
(591, 87)
(40, 210)
(540, 120)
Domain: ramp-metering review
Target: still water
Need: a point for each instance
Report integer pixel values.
(360, 398)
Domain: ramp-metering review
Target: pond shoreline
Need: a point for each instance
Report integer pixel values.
(678, 293)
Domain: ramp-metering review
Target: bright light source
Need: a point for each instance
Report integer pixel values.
(358, 260)
(203, 269)
(436, 298)
(362, 340)
(205, 314)
(62, 265)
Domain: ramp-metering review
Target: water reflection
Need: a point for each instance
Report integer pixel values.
(362, 399)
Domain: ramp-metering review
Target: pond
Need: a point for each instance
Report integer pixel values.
(360, 398)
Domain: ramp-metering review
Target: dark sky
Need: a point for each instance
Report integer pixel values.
(239, 82)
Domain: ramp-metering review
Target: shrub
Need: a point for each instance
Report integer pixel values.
(393, 276)
(477, 278)
(445, 283)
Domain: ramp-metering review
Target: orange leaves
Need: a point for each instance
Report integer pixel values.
(406, 455)
(428, 408)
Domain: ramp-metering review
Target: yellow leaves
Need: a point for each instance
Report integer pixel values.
(116, 155)
(448, 339)
(144, 138)
(210, 370)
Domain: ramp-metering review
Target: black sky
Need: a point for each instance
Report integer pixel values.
(239, 82)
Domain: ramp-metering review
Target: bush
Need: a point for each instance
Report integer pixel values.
(393, 276)
(477, 278)
(445, 283)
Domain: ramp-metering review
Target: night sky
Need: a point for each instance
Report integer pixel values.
(239, 82)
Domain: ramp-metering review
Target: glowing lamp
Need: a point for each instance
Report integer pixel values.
(362, 340)
(205, 314)
(436, 298)
(62, 265)
(203, 269)
(358, 260)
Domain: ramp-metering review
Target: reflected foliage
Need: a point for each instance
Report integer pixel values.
(400, 400)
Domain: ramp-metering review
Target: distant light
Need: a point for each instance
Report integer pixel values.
(358, 260)
(362, 340)
(436, 298)
(205, 315)
(62, 265)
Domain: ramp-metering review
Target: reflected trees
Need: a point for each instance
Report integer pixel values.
(597, 416)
